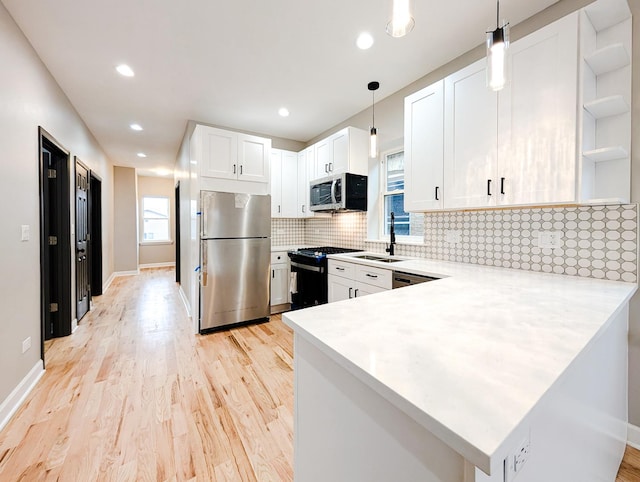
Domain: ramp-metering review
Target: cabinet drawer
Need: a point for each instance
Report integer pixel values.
(374, 276)
(340, 268)
(279, 257)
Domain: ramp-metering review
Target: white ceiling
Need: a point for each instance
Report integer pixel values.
(234, 63)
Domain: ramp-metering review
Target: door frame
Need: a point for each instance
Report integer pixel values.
(46, 140)
(95, 228)
(177, 229)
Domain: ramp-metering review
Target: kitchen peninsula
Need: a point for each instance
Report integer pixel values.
(484, 371)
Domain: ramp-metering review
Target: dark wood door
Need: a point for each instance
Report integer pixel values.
(82, 240)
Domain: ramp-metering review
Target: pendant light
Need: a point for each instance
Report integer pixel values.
(497, 44)
(373, 139)
(401, 22)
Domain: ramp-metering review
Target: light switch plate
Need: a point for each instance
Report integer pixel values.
(25, 232)
(453, 236)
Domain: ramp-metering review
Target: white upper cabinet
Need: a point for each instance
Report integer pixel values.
(344, 151)
(284, 181)
(537, 115)
(514, 147)
(470, 138)
(423, 154)
(232, 155)
(306, 168)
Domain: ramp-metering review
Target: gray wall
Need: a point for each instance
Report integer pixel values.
(125, 206)
(157, 253)
(30, 97)
(390, 124)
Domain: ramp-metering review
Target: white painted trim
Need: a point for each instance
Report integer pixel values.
(74, 325)
(16, 398)
(157, 265)
(633, 436)
(185, 301)
(133, 272)
(107, 284)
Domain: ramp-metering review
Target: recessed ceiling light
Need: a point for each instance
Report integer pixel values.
(124, 69)
(141, 154)
(136, 127)
(283, 111)
(364, 41)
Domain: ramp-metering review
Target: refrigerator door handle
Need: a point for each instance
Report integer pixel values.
(203, 271)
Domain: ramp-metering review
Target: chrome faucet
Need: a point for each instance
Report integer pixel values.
(392, 232)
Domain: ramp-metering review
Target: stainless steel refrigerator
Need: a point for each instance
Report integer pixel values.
(235, 258)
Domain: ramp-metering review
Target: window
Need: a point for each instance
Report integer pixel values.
(155, 219)
(392, 189)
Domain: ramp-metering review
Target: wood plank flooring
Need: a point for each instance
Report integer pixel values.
(133, 395)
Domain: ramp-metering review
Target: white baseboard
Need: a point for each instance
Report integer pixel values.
(185, 301)
(74, 325)
(107, 283)
(633, 436)
(17, 397)
(132, 272)
(158, 265)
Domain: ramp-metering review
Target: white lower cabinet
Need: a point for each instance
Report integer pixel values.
(280, 273)
(351, 280)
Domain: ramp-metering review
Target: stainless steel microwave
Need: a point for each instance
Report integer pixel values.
(339, 192)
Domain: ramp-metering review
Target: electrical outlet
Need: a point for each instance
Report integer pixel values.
(515, 461)
(453, 236)
(550, 239)
(26, 344)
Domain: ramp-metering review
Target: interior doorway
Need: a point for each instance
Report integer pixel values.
(177, 216)
(55, 242)
(95, 234)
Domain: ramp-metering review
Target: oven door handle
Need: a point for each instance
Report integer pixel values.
(306, 267)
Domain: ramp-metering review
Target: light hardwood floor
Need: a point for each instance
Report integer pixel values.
(134, 395)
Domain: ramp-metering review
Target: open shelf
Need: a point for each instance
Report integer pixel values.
(607, 106)
(606, 154)
(608, 59)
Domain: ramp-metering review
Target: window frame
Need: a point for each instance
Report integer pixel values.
(169, 239)
(404, 239)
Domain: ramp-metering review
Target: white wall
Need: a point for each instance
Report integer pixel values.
(30, 97)
(125, 205)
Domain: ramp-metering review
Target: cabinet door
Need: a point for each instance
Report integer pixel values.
(289, 184)
(306, 166)
(364, 289)
(219, 153)
(537, 122)
(279, 284)
(339, 288)
(339, 161)
(470, 139)
(323, 158)
(276, 183)
(423, 148)
(253, 158)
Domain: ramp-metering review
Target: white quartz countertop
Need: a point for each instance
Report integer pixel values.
(467, 356)
(289, 247)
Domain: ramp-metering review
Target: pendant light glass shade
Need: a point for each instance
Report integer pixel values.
(373, 143)
(402, 21)
(497, 45)
(373, 133)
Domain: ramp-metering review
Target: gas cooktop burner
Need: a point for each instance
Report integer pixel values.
(324, 250)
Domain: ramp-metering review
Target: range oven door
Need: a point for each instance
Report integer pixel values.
(311, 285)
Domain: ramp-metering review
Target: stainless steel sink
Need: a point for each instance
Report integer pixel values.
(377, 258)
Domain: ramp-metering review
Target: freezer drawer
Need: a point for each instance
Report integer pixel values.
(234, 287)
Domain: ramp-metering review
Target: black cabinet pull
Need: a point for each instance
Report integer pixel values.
(234, 168)
(437, 194)
(350, 292)
(240, 168)
(502, 185)
(488, 187)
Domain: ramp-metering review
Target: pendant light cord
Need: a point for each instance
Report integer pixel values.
(498, 14)
(373, 107)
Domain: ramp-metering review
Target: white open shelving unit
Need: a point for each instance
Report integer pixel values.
(605, 31)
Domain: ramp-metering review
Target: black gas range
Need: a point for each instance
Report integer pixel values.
(310, 268)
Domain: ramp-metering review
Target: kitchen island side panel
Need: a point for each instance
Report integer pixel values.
(344, 431)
